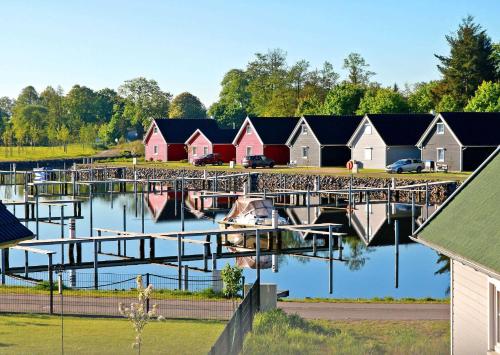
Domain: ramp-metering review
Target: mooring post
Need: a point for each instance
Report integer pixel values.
(186, 278)
(26, 263)
(412, 212)
(124, 229)
(389, 204)
(315, 243)
(341, 248)
(179, 261)
(367, 216)
(51, 285)
(96, 266)
(396, 253)
(111, 188)
(4, 264)
(214, 261)
(36, 211)
(206, 252)
(426, 200)
(350, 203)
(257, 253)
(142, 211)
(308, 203)
(91, 219)
(62, 234)
(71, 246)
(182, 203)
(330, 260)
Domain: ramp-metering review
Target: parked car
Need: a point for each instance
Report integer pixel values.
(406, 165)
(255, 161)
(212, 158)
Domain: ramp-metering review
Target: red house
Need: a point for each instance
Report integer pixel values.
(265, 135)
(165, 139)
(204, 141)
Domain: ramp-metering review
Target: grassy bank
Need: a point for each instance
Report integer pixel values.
(42, 153)
(333, 171)
(42, 335)
(386, 300)
(277, 333)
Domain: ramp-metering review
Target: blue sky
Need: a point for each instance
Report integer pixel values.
(189, 45)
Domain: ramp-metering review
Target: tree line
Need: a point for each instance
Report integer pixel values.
(268, 86)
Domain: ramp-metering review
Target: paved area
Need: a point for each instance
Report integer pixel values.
(367, 311)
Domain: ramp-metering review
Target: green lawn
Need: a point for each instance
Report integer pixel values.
(30, 334)
(277, 333)
(41, 153)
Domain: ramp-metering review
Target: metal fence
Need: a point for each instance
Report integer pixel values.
(231, 339)
(194, 297)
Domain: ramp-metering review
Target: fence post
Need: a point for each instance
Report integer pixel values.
(243, 286)
(147, 284)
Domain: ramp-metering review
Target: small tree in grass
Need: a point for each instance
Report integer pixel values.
(231, 276)
(138, 314)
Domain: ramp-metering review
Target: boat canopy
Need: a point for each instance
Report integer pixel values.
(261, 208)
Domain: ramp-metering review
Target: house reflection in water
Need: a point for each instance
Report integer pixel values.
(162, 207)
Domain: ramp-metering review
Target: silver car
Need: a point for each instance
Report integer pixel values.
(405, 165)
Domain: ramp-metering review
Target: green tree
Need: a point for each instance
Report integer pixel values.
(28, 96)
(357, 68)
(309, 106)
(63, 136)
(29, 124)
(144, 100)
(448, 104)
(186, 105)
(486, 99)
(231, 276)
(81, 105)
(53, 100)
(88, 134)
(382, 100)
(423, 99)
(227, 115)
(343, 99)
(470, 62)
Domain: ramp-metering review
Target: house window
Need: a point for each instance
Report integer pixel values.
(193, 151)
(249, 129)
(155, 130)
(249, 150)
(440, 128)
(494, 315)
(305, 152)
(304, 129)
(155, 150)
(368, 153)
(440, 155)
(205, 150)
(368, 129)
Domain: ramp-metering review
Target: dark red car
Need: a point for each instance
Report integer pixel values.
(212, 158)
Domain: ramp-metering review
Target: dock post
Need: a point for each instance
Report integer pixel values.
(51, 285)
(4, 264)
(308, 203)
(367, 217)
(179, 262)
(142, 211)
(426, 200)
(350, 202)
(412, 212)
(37, 215)
(341, 248)
(182, 204)
(62, 234)
(26, 263)
(71, 246)
(26, 203)
(186, 278)
(206, 251)
(389, 204)
(96, 266)
(257, 253)
(315, 243)
(214, 261)
(91, 220)
(112, 186)
(330, 260)
(396, 253)
(124, 229)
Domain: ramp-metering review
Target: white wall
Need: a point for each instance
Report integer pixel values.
(470, 310)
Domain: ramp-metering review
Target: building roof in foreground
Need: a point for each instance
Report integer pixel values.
(11, 230)
(467, 226)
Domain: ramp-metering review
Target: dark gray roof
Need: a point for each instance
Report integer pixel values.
(178, 130)
(11, 230)
(219, 135)
(401, 129)
(475, 128)
(274, 130)
(333, 129)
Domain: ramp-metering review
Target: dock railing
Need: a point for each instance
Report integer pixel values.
(231, 339)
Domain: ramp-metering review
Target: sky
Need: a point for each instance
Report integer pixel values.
(190, 45)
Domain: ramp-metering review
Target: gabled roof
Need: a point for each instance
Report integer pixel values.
(470, 128)
(466, 226)
(329, 130)
(270, 130)
(11, 230)
(178, 130)
(397, 128)
(215, 136)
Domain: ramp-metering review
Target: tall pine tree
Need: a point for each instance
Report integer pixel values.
(470, 61)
